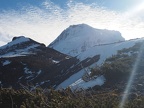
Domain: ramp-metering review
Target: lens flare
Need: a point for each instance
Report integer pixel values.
(137, 10)
(130, 81)
(134, 11)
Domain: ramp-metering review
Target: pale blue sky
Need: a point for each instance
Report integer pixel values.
(44, 20)
(117, 5)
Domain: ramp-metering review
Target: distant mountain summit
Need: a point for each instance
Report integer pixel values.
(19, 46)
(78, 38)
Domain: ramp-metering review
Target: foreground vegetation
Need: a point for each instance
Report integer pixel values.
(10, 98)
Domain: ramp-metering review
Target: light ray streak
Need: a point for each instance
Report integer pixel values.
(131, 79)
(138, 10)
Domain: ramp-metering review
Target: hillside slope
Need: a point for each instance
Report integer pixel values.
(24, 61)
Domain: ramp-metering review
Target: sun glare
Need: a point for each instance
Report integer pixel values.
(135, 10)
(140, 7)
(132, 76)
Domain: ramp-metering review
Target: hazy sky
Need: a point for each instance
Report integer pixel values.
(44, 20)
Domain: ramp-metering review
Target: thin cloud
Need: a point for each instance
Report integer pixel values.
(45, 23)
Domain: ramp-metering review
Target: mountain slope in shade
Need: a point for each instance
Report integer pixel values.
(79, 38)
(24, 61)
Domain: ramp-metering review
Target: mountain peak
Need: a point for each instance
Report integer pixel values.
(18, 40)
(78, 38)
(19, 46)
(79, 25)
(20, 37)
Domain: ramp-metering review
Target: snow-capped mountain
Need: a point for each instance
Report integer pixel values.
(19, 46)
(24, 61)
(78, 38)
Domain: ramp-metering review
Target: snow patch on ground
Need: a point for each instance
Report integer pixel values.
(6, 62)
(85, 85)
(39, 84)
(28, 48)
(26, 71)
(20, 52)
(35, 75)
(55, 61)
(20, 77)
(44, 82)
(31, 75)
(76, 82)
(71, 79)
(12, 54)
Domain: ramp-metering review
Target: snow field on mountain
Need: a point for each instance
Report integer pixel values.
(79, 38)
(19, 52)
(105, 51)
(85, 85)
(71, 79)
(76, 82)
